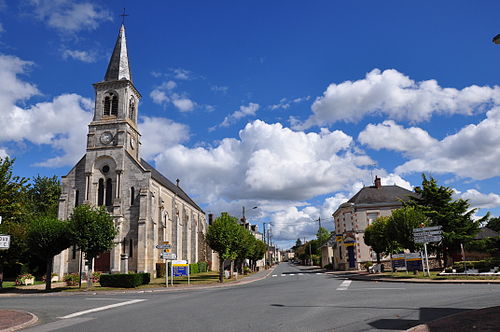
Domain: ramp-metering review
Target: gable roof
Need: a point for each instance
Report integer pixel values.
(382, 194)
(157, 176)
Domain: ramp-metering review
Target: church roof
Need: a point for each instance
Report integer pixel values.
(157, 176)
(118, 67)
(382, 194)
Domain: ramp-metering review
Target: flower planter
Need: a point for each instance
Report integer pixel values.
(54, 279)
(28, 281)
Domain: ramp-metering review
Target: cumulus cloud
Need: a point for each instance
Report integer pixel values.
(159, 134)
(70, 16)
(3, 153)
(479, 200)
(164, 93)
(472, 152)
(181, 74)
(267, 162)
(83, 56)
(391, 136)
(395, 95)
(285, 103)
(243, 111)
(60, 123)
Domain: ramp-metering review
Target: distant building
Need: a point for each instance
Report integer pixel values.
(352, 218)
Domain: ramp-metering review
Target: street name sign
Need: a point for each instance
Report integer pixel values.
(427, 239)
(168, 255)
(427, 229)
(4, 241)
(164, 246)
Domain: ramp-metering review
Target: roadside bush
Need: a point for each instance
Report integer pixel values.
(131, 280)
(328, 267)
(71, 279)
(202, 267)
(193, 268)
(367, 265)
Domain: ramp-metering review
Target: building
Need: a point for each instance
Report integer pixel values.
(352, 217)
(148, 209)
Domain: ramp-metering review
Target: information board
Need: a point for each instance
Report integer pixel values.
(413, 261)
(4, 241)
(398, 262)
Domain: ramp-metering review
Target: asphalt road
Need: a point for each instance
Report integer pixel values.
(290, 299)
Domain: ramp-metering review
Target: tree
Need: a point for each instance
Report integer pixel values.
(245, 246)
(258, 252)
(377, 237)
(455, 216)
(401, 223)
(47, 236)
(12, 209)
(322, 235)
(93, 231)
(43, 196)
(494, 224)
(223, 237)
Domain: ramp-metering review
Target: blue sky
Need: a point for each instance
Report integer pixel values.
(290, 106)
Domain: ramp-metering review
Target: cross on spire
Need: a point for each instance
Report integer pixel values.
(123, 16)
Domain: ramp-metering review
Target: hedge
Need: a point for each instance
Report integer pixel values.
(482, 265)
(202, 267)
(130, 280)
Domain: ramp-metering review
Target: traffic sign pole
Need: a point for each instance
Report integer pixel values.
(427, 260)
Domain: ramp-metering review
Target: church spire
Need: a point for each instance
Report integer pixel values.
(118, 68)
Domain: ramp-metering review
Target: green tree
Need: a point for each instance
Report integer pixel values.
(47, 237)
(17, 252)
(258, 252)
(322, 235)
(401, 223)
(245, 247)
(43, 196)
(377, 236)
(223, 237)
(494, 224)
(93, 231)
(12, 192)
(455, 216)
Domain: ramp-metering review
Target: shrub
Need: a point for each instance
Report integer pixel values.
(329, 266)
(71, 279)
(193, 268)
(246, 270)
(96, 276)
(366, 265)
(202, 267)
(131, 280)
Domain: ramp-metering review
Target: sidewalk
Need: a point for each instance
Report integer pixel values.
(12, 320)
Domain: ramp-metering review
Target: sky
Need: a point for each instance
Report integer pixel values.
(288, 106)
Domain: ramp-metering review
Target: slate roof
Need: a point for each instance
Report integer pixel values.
(485, 232)
(157, 176)
(383, 194)
(118, 67)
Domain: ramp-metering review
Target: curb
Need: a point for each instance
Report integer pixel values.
(26, 324)
(423, 281)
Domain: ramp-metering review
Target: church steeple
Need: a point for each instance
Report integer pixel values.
(118, 67)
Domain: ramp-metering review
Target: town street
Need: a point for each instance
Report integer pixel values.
(290, 299)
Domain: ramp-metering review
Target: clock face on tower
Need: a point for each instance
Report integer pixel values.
(106, 137)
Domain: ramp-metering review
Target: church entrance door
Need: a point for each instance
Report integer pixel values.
(102, 262)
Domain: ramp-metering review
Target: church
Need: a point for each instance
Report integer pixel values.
(148, 209)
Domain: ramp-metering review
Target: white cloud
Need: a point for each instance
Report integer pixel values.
(3, 153)
(159, 97)
(220, 88)
(181, 74)
(70, 16)
(183, 104)
(285, 103)
(479, 200)
(389, 135)
(268, 162)
(60, 123)
(470, 153)
(244, 111)
(159, 134)
(83, 56)
(395, 95)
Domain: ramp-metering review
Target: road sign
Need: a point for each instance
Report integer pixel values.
(427, 239)
(168, 255)
(179, 262)
(4, 241)
(427, 229)
(164, 246)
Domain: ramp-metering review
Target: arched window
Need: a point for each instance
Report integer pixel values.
(131, 109)
(132, 195)
(107, 106)
(100, 193)
(114, 105)
(109, 192)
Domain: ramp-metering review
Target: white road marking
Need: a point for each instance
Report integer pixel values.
(301, 274)
(274, 275)
(283, 275)
(390, 288)
(344, 285)
(292, 274)
(319, 273)
(106, 307)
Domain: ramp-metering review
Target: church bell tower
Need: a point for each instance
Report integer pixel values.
(114, 125)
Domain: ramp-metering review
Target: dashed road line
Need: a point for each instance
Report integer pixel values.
(106, 307)
(274, 275)
(344, 285)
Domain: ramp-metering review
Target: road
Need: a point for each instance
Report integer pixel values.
(290, 299)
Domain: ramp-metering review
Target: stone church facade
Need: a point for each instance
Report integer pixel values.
(148, 209)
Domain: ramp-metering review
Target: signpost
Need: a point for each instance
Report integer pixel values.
(166, 254)
(180, 268)
(4, 241)
(425, 235)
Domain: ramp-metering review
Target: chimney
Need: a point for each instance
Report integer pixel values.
(210, 218)
(177, 182)
(378, 182)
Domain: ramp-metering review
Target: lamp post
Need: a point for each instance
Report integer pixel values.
(496, 39)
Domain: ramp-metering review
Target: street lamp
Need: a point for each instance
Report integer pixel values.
(496, 39)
